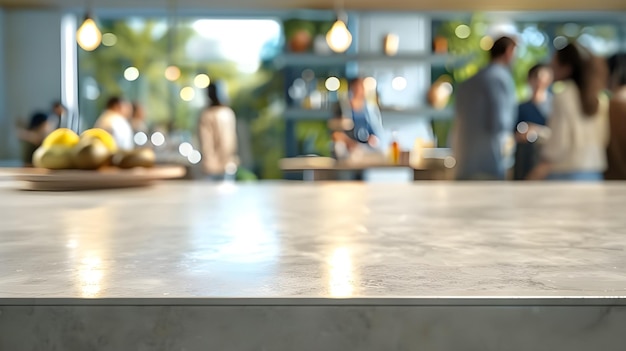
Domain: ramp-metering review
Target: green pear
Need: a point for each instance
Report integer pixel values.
(91, 153)
(53, 157)
(136, 158)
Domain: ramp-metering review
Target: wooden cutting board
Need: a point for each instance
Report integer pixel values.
(107, 178)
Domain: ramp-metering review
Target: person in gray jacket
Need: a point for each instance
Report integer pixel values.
(485, 115)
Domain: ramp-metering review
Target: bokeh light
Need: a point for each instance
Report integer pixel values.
(486, 43)
(332, 84)
(202, 81)
(463, 31)
(109, 39)
(185, 149)
(194, 157)
(187, 94)
(157, 139)
(140, 138)
(370, 83)
(172, 73)
(399, 83)
(131, 74)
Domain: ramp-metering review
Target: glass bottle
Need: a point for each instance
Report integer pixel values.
(395, 148)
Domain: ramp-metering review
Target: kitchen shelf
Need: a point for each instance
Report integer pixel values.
(324, 114)
(446, 113)
(310, 60)
(294, 113)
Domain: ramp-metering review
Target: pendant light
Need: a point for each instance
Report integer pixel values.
(88, 36)
(339, 37)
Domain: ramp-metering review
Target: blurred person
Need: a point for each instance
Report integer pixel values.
(576, 149)
(217, 130)
(485, 117)
(531, 120)
(616, 151)
(58, 115)
(357, 123)
(33, 135)
(115, 121)
(138, 118)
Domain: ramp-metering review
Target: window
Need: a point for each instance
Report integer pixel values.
(166, 65)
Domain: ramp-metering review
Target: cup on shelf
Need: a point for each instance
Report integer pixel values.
(391, 44)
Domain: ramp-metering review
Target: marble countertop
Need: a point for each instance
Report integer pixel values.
(316, 240)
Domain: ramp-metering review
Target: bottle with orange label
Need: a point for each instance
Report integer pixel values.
(395, 148)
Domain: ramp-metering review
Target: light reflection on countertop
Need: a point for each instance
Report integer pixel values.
(186, 239)
(88, 232)
(341, 283)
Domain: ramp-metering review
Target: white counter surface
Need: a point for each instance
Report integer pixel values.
(284, 240)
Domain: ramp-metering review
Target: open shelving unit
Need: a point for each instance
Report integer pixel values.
(317, 60)
(324, 114)
(341, 65)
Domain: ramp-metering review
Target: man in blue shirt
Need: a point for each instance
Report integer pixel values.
(531, 117)
(485, 116)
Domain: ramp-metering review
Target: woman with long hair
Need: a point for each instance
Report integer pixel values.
(217, 130)
(579, 119)
(616, 152)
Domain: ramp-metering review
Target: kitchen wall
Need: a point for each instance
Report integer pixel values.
(413, 31)
(30, 67)
(4, 125)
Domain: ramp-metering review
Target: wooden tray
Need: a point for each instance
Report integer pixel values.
(108, 178)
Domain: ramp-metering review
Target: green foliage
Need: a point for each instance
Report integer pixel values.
(268, 143)
(256, 102)
(139, 48)
(293, 26)
(244, 175)
(469, 47)
(314, 137)
(527, 54)
(252, 94)
(314, 28)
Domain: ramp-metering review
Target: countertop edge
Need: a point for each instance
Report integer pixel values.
(481, 301)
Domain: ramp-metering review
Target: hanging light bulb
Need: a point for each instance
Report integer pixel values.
(88, 35)
(339, 37)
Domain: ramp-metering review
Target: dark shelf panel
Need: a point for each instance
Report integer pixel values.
(303, 114)
(310, 60)
(446, 113)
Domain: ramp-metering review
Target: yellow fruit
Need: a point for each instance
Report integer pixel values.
(103, 136)
(62, 136)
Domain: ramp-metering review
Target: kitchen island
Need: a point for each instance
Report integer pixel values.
(312, 266)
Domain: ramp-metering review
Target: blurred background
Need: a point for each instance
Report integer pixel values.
(276, 65)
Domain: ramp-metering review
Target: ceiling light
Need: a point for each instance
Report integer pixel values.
(88, 35)
(339, 37)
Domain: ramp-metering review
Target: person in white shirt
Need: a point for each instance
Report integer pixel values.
(576, 149)
(115, 121)
(217, 132)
